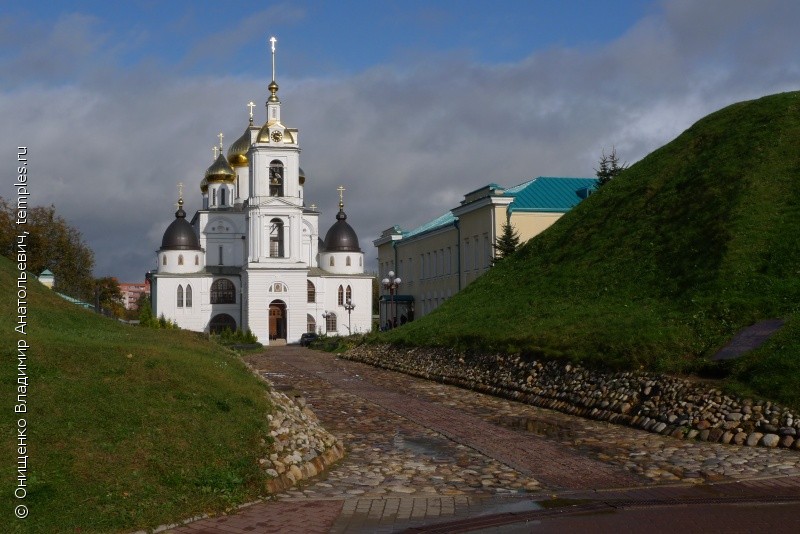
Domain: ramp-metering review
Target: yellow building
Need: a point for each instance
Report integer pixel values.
(439, 258)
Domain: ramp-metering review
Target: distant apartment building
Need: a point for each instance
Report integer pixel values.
(131, 293)
(444, 255)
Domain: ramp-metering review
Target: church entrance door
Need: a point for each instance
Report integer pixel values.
(277, 320)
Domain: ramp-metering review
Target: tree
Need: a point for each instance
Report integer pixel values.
(109, 295)
(51, 244)
(610, 168)
(507, 243)
(145, 310)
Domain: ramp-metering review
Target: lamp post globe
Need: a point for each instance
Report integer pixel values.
(392, 282)
(349, 306)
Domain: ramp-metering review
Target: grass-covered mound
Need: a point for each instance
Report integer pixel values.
(660, 267)
(127, 427)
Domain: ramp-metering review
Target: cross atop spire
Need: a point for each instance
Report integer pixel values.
(180, 189)
(251, 106)
(215, 149)
(272, 41)
(341, 191)
(220, 142)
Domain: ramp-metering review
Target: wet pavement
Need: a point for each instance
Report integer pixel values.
(421, 454)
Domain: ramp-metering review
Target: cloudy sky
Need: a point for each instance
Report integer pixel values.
(409, 104)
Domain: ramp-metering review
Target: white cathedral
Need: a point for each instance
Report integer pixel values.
(252, 257)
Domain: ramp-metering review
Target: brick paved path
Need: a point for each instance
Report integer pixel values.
(429, 458)
(546, 461)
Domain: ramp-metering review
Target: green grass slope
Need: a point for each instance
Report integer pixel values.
(127, 427)
(661, 266)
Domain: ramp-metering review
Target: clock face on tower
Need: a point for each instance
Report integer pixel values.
(277, 135)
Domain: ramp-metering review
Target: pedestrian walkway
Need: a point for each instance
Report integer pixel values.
(423, 456)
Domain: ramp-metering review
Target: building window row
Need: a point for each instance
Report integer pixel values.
(435, 263)
(180, 259)
(344, 295)
(348, 262)
(184, 297)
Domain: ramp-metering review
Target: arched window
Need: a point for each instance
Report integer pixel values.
(164, 259)
(223, 292)
(222, 196)
(188, 296)
(349, 294)
(341, 296)
(312, 293)
(196, 259)
(311, 325)
(213, 197)
(180, 296)
(331, 262)
(275, 178)
(361, 260)
(276, 238)
(220, 322)
(347, 261)
(330, 322)
(180, 259)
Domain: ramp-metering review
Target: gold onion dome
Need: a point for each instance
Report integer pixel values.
(220, 171)
(204, 185)
(237, 153)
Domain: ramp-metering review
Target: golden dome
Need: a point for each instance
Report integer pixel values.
(204, 186)
(263, 133)
(220, 171)
(237, 153)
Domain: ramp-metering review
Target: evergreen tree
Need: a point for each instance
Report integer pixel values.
(610, 168)
(507, 243)
(145, 311)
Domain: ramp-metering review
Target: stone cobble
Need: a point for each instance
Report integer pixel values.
(656, 458)
(388, 455)
(402, 472)
(657, 403)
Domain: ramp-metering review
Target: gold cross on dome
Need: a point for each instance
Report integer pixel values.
(215, 149)
(220, 141)
(180, 189)
(341, 191)
(272, 41)
(251, 106)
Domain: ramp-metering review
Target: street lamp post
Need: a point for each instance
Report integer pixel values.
(325, 316)
(391, 282)
(349, 306)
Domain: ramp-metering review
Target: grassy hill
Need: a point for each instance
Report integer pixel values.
(663, 265)
(127, 427)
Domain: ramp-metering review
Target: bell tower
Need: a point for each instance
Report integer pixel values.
(275, 204)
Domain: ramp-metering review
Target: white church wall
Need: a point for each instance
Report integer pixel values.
(194, 317)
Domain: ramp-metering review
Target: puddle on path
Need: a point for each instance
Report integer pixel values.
(510, 506)
(440, 450)
(537, 426)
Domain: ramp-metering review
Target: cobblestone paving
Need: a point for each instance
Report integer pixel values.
(420, 453)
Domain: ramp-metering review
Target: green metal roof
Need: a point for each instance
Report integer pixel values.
(545, 194)
(439, 222)
(549, 194)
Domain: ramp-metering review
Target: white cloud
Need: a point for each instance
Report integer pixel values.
(407, 142)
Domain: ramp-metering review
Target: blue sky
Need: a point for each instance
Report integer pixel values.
(408, 104)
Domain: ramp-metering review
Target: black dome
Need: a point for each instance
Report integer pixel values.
(180, 234)
(341, 237)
